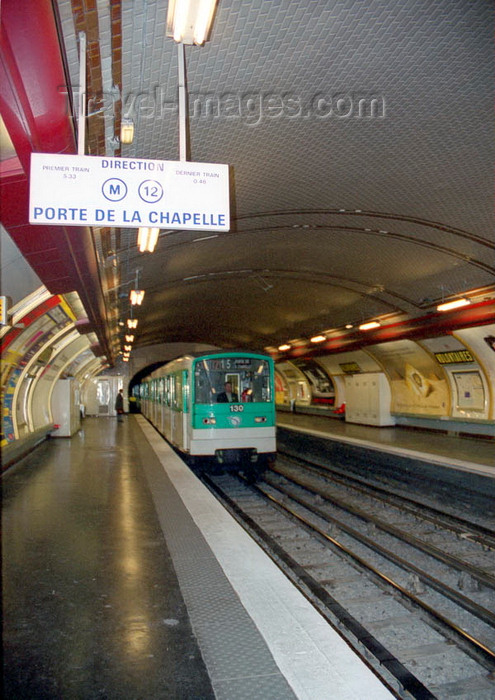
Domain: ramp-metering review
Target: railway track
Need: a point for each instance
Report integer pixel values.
(410, 588)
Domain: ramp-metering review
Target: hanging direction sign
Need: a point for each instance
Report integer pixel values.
(67, 190)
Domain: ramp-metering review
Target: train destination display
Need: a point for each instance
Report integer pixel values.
(67, 190)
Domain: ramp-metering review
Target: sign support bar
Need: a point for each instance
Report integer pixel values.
(81, 117)
(182, 104)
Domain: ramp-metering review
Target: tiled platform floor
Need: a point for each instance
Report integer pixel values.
(91, 603)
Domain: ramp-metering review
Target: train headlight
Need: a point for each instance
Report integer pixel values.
(260, 419)
(209, 421)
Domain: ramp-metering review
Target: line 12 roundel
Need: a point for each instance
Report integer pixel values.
(150, 191)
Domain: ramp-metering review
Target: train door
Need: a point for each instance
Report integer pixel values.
(172, 430)
(163, 398)
(178, 410)
(186, 394)
(167, 408)
(234, 379)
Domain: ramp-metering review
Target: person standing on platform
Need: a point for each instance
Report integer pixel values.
(119, 405)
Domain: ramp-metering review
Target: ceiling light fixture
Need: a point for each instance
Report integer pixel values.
(136, 296)
(126, 130)
(318, 338)
(456, 304)
(369, 326)
(128, 348)
(129, 338)
(132, 323)
(147, 239)
(189, 21)
(284, 347)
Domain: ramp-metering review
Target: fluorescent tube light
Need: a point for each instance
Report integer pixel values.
(284, 347)
(136, 296)
(147, 239)
(369, 326)
(189, 21)
(126, 130)
(456, 304)
(318, 338)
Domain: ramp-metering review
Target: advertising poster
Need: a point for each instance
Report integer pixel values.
(322, 389)
(481, 342)
(20, 347)
(470, 392)
(417, 381)
(280, 389)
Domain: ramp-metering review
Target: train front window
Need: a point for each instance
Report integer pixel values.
(249, 379)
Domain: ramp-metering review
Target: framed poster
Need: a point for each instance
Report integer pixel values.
(470, 392)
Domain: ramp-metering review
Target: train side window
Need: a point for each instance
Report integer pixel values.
(172, 391)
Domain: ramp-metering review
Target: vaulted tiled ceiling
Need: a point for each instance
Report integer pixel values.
(360, 141)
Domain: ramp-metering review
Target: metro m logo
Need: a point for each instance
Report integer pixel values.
(114, 189)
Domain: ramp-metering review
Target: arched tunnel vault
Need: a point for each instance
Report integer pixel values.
(285, 274)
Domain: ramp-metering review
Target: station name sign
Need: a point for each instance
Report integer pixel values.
(350, 367)
(68, 190)
(454, 357)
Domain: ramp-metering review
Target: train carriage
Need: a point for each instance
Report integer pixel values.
(186, 401)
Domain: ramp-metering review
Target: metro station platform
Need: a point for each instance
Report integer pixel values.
(471, 454)
(123, 578)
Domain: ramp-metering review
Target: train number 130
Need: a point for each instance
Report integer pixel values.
(236, 408)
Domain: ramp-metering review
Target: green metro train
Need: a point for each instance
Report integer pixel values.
(216, 407)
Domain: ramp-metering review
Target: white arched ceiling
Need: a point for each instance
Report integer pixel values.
(359, 138)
